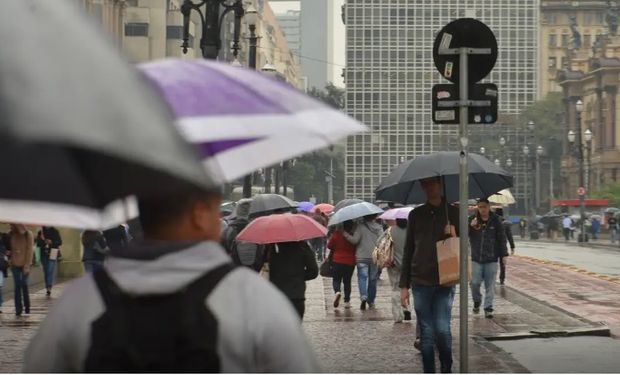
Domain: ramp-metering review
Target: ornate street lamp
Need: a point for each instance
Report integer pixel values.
(497, 162)
(211, 22)
(482, 150)
(509, 162)
(502, 141)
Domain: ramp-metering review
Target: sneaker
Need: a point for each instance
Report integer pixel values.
(501, 282)
(407, 315)
(337, 299)
(49, 292)
(417, 344)
(371, 306)
(476, 307)
(27, 310)
(347, 305)
(488, 313)
(363, 305)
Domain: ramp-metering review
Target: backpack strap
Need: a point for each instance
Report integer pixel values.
(203, 287)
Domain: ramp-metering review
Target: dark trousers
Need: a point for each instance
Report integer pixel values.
(502, 270)
(21, 290)
(300, 306)
(567, 233)
(342, 274)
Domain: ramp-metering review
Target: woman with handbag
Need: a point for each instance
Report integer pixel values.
(49, 242)
(342, 255)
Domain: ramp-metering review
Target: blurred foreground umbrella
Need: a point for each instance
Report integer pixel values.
(346, 202)
(354, 211)
(403, 184)
(80, 130)
(325, 208)
(281, 228)
(241, 120)
(263, 204)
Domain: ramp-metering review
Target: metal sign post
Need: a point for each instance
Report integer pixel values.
(476, 47)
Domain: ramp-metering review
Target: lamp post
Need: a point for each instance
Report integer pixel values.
(526, 155)
(539, 152)
(211, 24)
(252, 18)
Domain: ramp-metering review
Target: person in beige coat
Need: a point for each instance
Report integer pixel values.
(20, 259)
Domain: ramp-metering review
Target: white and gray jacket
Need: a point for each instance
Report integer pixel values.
(365, 239)
(258, 329)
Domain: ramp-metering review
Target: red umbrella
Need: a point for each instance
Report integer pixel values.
(281, 228)
(324, 208)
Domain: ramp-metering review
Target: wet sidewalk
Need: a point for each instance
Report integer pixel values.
(351, 340)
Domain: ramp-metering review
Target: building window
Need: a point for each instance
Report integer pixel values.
(565, 40)
(587, 40)
(564, 63)
(553, 63)
(553, 40)
(137, 29)
(176, 32)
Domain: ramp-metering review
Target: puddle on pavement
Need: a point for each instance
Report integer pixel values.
(583, 354)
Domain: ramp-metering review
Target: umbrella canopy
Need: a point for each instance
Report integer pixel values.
(396, 213)
(354, 211)
(325, 208)
(263, 204)
(231, 112)
(281, 228)
(403, 184)
(75, 143)
(503, 197)
(346, 202)
(305, 206)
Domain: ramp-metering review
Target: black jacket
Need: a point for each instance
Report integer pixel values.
(424, 229)
(48, 233)
(290, 265)
(488, 243)
(508, 231)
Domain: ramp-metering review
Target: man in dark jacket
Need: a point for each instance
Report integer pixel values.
(508, 231)
(488, 244)
(428, 224)
(49, 242)
(290, 265)
(242, 253)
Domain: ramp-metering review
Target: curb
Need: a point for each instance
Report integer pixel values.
(602, 332)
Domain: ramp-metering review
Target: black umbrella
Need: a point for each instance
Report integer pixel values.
(80, 129)
(346, 202)
(403, 184)
(264, 204)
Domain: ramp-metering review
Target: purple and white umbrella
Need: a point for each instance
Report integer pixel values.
(396, 213)
(241, 120)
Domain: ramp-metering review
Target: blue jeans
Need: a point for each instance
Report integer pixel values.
(367, 274)
(91, 266)
(21, 290)
(49, 267)
(487, 273)
(433, 307)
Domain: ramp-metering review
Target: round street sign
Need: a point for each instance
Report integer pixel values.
(581, 191)
(465, 32)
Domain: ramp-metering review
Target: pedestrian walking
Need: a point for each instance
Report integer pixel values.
(398, 232)
(319, 243)
(95, 250)
(49, 241)
(487, 239)
(343, 262)
(175, 302)
(595, 227)
(508, 232)
(20, 254)
(243, 253)
(429, 223)
(4, 267)
(612, 227)
(365, 237)
(117, 237)
(522, 226)
(291, 264)
(566, 227)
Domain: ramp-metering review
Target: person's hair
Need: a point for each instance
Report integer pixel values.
(483, 200)
(159, 211)
(401, 223)
(348, 225)
(370, 217)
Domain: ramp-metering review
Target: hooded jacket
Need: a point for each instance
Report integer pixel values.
(365, 239)
(488, 243)
(258, 329)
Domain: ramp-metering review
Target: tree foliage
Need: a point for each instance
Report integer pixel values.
(611, 192)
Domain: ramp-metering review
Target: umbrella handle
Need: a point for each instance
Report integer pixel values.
(445, 197)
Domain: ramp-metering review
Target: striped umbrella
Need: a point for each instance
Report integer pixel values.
(241, 120)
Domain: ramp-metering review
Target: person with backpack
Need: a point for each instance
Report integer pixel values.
(291, 264)
(95, 250)
(172, 302)
(49, 242)
(365, 237)
(20, 253)
(117, 237)
(342, 253)
(245, 254)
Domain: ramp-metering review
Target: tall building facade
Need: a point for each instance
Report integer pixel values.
(390, 73)
(316, 41)
(290, 22)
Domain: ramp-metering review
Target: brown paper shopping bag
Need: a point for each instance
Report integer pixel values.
(448, 256)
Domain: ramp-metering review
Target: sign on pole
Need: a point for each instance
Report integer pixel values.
(581, 191)
(464, 52)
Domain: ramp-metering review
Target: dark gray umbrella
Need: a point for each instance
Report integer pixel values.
(263, 204)
(79, 127)
(346, 202)
(403, 184)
